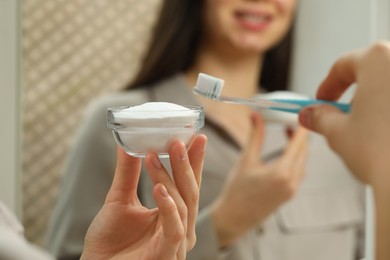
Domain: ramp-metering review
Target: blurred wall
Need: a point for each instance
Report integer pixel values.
(73, 51)
(9, 102)
(325, 30)
(381, 22)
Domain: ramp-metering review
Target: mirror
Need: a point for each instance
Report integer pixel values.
(74, 51)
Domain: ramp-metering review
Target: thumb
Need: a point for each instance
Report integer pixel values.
(326, 120)
(126, 178)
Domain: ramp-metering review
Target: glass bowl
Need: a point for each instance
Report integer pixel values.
(142, 131)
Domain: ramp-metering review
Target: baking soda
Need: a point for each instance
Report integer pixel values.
(153, 113)
(153, 125)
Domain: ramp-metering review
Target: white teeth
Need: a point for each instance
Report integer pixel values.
(253, 18)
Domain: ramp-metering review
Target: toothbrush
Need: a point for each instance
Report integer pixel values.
(211, 87)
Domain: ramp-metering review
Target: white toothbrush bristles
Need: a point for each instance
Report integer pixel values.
(209, 86)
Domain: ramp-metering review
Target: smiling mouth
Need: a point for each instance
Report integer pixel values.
(253, 20)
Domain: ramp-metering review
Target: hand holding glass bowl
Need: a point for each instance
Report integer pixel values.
(152, 126)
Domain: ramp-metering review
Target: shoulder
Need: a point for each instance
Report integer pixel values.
(96, 110)
(14, 246)
(9, 220)
(123, 98)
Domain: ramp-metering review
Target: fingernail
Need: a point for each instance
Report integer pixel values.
(253, 119)
(156, 162)
(182, 153)
(204, 148)
(306, 117)
(164, 192)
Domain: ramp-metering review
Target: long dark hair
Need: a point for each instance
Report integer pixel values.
(175, 42)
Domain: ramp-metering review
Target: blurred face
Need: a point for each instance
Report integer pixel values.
(248, 25)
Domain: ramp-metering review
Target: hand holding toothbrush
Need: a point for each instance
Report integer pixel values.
(362, 137)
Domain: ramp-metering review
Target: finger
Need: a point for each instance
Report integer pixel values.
(297, 143)
(125, 182)
(341, 75)
(255, 142)
(172, 226)
(301, 163)
(182, 251)
(196, 155)
(187, 186)
(159, 174)
(327, 121)
(293, 151)
(289, 132)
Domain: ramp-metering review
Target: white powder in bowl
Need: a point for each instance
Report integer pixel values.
(154, 113)
(159, 109)
(151, 126)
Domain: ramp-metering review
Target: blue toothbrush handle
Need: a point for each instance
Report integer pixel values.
(344, 107)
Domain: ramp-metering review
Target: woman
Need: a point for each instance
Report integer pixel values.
(243, 212)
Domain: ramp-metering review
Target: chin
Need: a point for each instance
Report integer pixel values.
(252, 49)
(253, 46)
(255, 43)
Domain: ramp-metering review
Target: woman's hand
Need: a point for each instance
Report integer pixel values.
(256, 189)
(124, 229)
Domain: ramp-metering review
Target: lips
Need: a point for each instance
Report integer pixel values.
(254, 21)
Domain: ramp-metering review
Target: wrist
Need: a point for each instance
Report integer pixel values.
(94, 252)
(85, 255)
(380, 182)
(382, 214)
(381, 189)
(225, 227)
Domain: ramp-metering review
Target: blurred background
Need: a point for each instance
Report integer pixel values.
(72, 51)
(58, 55)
